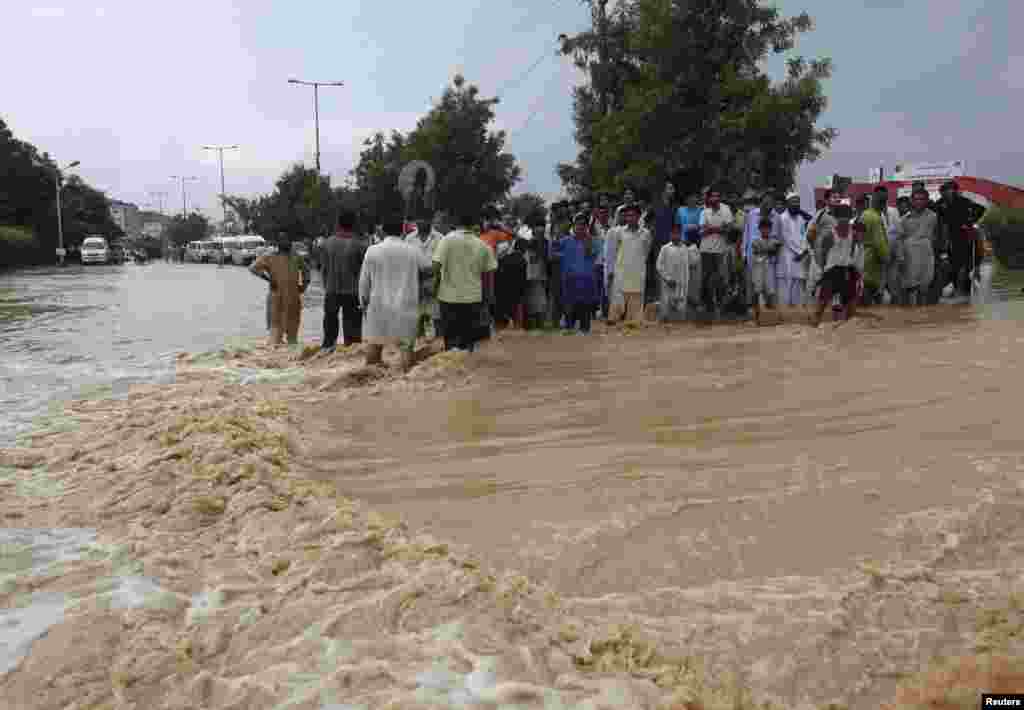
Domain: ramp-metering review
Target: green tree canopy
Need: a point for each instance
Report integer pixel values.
(193, 228)
(28, 202)
(677, 92)
(471, 166)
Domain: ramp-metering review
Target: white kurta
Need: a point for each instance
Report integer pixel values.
(389, 289)
(792, 274)
(631, 249)
(674, 265)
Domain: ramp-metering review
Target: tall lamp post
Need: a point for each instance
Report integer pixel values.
(184, 200)
(60, 218)
(220, 150)
(316, 109)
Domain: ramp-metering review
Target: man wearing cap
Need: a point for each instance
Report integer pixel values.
(631, 244)
(792, 269)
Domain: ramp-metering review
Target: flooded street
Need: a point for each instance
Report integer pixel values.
(99, 329)
(815, 515)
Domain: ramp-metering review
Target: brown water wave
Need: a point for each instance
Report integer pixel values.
(688, 459)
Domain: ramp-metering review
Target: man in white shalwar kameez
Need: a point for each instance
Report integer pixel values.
(673, 268)
(389, 291)
(631, 245)
(791, 274)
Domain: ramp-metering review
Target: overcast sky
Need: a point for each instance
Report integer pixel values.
(133, 89)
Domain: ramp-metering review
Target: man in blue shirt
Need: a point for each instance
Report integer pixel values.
(688, 219)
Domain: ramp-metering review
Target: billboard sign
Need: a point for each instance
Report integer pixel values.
(929, 171)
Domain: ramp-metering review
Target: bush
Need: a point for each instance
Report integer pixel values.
(1005, 227)
(18, 246)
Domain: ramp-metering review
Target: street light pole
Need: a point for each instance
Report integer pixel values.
(60, 216)
(220, 150)
(160, 200)
(184, 203)
(316, 109)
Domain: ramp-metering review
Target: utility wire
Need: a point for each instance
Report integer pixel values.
(516, 82)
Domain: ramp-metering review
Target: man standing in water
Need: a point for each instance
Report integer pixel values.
(876, 245)
(426, 239)
(389, 292)
(288, 281)
(340, 262)
(913, 249)
(464, 269)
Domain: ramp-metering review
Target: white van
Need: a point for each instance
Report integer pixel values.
(228, 247)
(95, 250)
(194, 252)
(250, 246)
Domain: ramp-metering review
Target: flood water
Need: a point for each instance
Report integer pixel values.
(721, 488)
(99, 329)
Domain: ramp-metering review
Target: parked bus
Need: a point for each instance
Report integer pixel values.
(227, 247)
(250, 246)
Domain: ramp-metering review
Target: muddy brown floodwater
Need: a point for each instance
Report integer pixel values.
(729, 486)
(683, 518)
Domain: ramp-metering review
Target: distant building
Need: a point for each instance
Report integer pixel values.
(126, 216)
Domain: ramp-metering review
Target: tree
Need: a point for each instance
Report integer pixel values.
(527, 206)
(245, 209)
(376, 177)
(677, 93)
(86, 211)
(300, 206)
(28, 203)
(193, 228)
(472, 168)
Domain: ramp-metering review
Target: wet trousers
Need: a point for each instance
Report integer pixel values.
(285, 315)
(459, 323)
(351, 324)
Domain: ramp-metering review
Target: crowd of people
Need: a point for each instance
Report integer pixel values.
(461, 279)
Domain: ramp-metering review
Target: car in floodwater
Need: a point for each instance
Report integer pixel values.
(95, 250)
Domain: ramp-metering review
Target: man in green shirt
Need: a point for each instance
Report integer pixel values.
(876, 249)
(464, 269)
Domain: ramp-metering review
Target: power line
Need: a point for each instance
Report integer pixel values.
(516, 82)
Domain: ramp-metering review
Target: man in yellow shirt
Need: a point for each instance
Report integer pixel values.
(464, 269)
